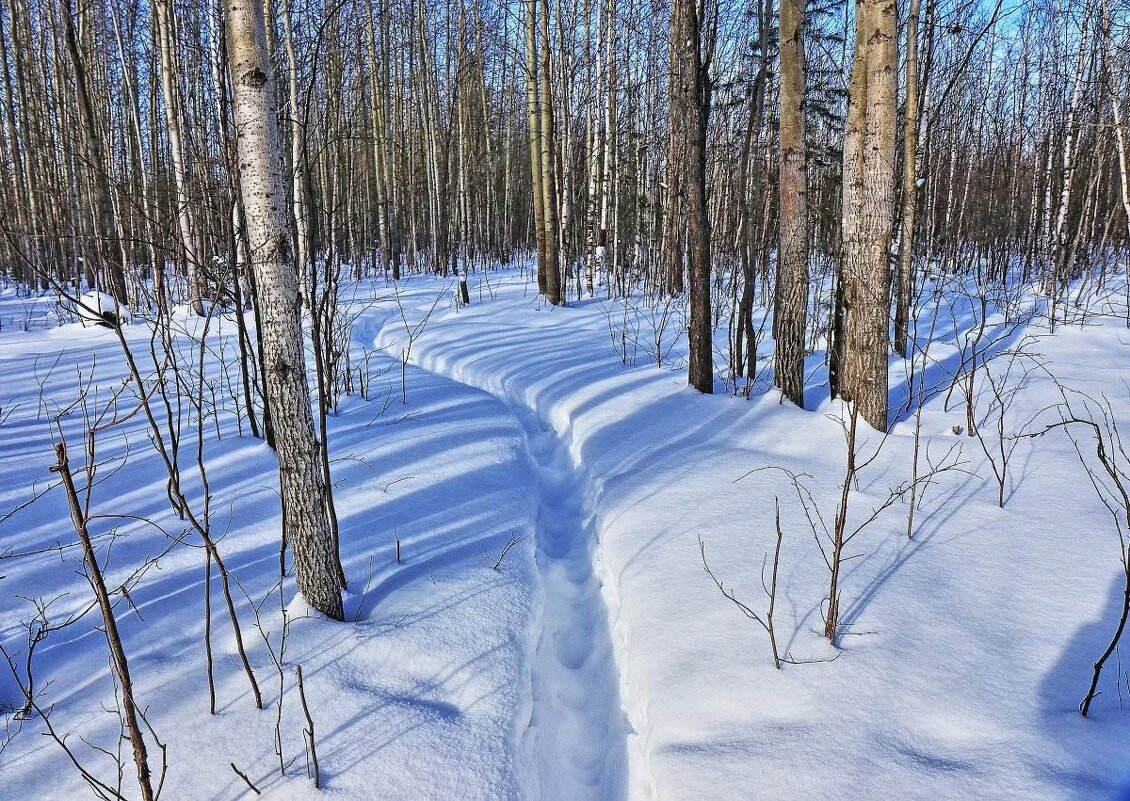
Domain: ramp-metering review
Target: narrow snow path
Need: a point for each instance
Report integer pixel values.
(573, 745)
(571, 738)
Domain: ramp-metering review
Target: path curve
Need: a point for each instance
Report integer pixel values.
(572, 730)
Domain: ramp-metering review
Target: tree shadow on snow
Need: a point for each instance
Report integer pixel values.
(1090, 759)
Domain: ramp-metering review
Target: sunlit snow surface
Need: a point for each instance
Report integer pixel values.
(598, 661)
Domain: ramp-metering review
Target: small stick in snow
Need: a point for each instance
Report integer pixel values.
(505, 550)
(309, 731)
(364, 593)
(243, 776)
(208, 631)
(397, 481)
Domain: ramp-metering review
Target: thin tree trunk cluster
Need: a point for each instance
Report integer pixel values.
(453, 137)
(765, 177)
(763, 162)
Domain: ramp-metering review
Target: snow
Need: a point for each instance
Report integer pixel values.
(94, 308)
(413, 697)
(599, 661)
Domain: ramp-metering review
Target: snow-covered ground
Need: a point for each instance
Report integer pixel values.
(599, 661)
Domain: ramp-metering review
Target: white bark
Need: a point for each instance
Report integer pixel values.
(276, 278)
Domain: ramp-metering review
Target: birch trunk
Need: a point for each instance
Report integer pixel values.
(533, 115)
(298, 165)
(605, 243)
(262, 186)
(1057, 280)
(1122, 138)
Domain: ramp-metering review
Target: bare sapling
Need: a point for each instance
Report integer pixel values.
(839, 537)
(623, 333)
(979, 345)
(161, 394)
(815, 524)
(763, 618)
(278, 658)
(311, 744)
(661, 312)
(133, 724)
(365, 375)
(494, 561)
(413, 333)
(188, 377)
(917, 393)
(966, 376)
(999, 442)
(844, 530)
(120, 665)
(746, 338)
(22, 665)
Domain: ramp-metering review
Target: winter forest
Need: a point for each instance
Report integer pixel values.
(564, 400)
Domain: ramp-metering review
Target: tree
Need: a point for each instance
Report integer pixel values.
(533, 106)
(110, 256)
(163, 13)
(1122, 138)
(790, 315)
(548, 138)
(862, 299)
(911, 121)
(254, 101)
(690, 111)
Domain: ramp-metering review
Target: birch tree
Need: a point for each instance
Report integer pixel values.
(254, 104)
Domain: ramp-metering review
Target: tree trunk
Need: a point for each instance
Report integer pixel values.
(254, 101)
(553, 291)
(299, 169)
(904, 295)
(868, 205)
(605, 242)
(690, 107)
(533, 107)
(1122, 138)
(186, 226)
(790, 316)
(674, 223)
